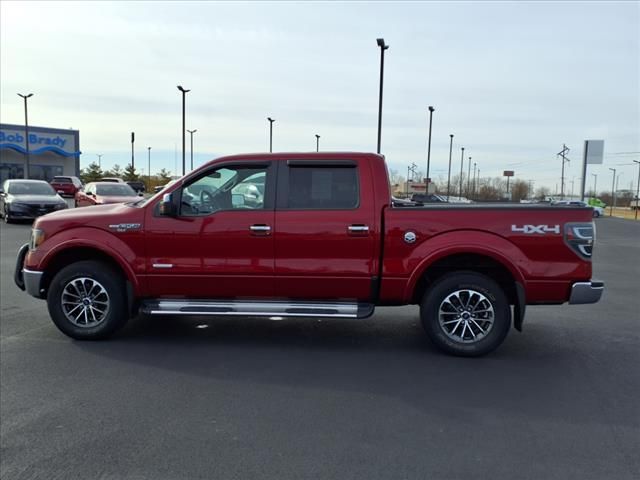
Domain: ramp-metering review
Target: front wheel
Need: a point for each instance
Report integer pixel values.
(466, 314)
(87, 300)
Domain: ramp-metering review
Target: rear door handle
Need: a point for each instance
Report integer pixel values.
(358, 229)
(264, 229)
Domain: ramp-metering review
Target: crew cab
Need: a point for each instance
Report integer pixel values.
(307, 235)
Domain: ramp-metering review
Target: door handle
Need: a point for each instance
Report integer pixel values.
(260, 228)
(358, 229)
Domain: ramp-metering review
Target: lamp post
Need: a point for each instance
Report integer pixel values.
(461, 167)
(26, 134)
(469, 177)
(317, 142)
(133, 139)
(383, 47)
(449, 175)
(595, 180)
(99, 155)
(149, 167)
(474, 179)
(613, 191)
(191, 132)
(431, 109)
(271, 120)
(184, 94)
(637, 189)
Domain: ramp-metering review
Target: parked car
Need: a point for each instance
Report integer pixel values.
(112, 179)
(597, 211)
(28, 199)
(66, 186)
(100, 193)
(137, 185)
(159, 188)
(327, 242)
(596, 202)
(428, 198)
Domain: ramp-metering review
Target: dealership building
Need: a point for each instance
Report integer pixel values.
(52, 151)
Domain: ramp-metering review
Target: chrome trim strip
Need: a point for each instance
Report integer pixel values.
(358, 228)
(163, 265)
(260, 228)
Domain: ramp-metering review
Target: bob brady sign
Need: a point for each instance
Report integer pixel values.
(34, 139)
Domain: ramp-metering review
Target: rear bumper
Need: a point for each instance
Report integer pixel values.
(586, 292)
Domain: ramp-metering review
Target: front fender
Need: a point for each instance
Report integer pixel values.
(465, 241)
(121, 248)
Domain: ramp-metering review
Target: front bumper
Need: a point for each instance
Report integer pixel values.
(28, 280)
(586, 292)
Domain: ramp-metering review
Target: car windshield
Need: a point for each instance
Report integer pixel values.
(30, 188)
(115, 190)
(61, 180)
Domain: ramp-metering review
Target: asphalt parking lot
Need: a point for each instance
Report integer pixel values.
(183, 398)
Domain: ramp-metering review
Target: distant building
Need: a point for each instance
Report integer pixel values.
(53, 151)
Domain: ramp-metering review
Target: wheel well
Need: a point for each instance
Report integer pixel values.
(470, 262)
(72, 255)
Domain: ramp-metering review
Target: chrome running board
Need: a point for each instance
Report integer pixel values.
(256, 308)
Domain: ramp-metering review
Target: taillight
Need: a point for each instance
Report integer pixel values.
(580, 237)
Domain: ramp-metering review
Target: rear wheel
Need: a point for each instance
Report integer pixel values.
(466, 314)
(87, 300)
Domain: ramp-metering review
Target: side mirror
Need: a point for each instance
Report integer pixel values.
(91, 194)
(237, 200)
(167, 208)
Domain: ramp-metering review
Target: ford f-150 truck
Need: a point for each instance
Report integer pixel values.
(307, 235)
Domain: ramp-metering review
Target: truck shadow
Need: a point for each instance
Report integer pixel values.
(539, 373)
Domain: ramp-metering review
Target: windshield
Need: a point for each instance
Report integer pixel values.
(30, 188)
(115, 190)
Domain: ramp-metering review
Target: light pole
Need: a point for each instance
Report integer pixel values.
(26, 134)
(461, 167)
(449, 175)
(271, 120)
(184, 94)
(99, 155)
(191, 132)
(149, 167)
(469, 177)
(133, 139)
(431, 109)
(613, 190)
(383, 47)
(474, 179)
(595, 180)
(637, 189)
(317, 142)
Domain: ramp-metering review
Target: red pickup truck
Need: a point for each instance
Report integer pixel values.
(307, 235)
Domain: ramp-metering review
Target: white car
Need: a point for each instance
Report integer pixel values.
(597, 211)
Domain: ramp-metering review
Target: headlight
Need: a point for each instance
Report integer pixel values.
(37, 237)
(17, 206)
(61, 206)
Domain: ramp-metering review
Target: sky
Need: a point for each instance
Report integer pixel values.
(513, 81)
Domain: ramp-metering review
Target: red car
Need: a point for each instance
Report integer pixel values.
(100, 193)
(66, 186)
(308, 235)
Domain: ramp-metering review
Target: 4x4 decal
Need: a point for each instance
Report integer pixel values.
(541, 229)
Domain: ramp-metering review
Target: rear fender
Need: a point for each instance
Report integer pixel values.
(465, 241)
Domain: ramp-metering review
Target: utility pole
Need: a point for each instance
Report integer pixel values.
(184, 133)
(99, 155)
(317, 142)
(469, 179)
(637, 190)
(191, 132)
(411, 171)
(563, 154)
(133, 162)
(26, 134)
(383, 46)
(474, 180)
(271, 120)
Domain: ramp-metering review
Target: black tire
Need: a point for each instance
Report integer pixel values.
(116, 315)
(485, 292)
(5, 215)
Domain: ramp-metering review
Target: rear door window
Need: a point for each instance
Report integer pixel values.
(318, 187)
